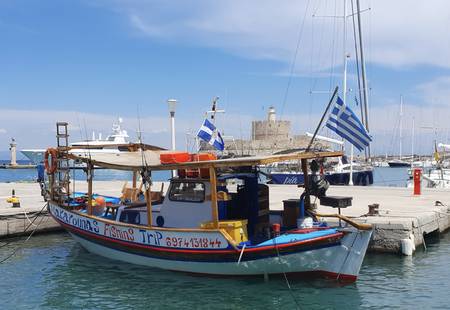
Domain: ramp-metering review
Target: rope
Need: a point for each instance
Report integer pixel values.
(348, 254)
(291, 71)
(285, 275)
(31, 223)
(28, 238)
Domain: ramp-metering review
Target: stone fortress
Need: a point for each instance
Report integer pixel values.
(268, 137)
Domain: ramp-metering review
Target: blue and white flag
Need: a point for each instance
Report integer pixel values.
(346, 124)
(209, 133)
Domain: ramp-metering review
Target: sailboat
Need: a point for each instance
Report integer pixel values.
(399, 163)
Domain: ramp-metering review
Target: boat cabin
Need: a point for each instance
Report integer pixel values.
(187, 204)
(216, 194)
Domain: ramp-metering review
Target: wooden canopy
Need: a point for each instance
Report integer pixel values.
(150, 160)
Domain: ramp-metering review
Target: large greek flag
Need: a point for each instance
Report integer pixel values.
(209, 133)
(346, 124)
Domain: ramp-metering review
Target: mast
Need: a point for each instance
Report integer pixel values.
(363, 72)
(401, 127)
(344, 85)
(412, 142)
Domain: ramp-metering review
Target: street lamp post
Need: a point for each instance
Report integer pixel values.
(172, 105)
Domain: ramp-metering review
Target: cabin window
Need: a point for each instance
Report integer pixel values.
(187, 191)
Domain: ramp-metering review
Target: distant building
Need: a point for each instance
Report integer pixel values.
(267, 137)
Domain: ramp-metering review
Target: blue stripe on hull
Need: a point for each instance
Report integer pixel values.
(359, 178)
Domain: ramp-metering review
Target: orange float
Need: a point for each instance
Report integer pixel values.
(53, 153)
(174, 157)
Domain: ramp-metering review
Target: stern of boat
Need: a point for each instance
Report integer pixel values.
(353, 249)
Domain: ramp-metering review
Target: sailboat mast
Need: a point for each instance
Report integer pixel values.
(412, 142)
(400, 127)
(344, 84)
(363, 72)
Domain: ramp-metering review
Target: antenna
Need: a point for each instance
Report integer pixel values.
(214, 109)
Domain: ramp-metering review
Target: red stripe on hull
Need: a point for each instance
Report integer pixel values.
(279, 247)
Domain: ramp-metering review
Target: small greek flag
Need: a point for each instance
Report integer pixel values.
(346, 124)
(209, 133)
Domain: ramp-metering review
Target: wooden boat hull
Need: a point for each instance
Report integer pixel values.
(338, 256)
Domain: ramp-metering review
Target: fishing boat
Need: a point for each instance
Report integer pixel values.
(213, 220)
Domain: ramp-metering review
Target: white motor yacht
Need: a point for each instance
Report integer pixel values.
(116, 141)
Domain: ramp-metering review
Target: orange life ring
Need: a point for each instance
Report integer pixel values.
(53, 153)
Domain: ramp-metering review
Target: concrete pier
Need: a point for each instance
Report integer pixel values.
(14, 221)
(402, 216)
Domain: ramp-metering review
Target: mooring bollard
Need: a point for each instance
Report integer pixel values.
(417, 181)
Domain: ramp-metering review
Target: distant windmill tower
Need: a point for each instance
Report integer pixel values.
(12, 148)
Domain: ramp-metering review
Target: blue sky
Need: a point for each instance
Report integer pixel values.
(92, 61)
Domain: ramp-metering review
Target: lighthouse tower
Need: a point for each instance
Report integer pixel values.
(12, 148)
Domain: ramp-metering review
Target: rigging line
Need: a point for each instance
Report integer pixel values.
(357, 63)
(333, 48)
(25, 230)
(81, 132)
(285, 275)
(319, 63)
(320, 49)
(349, 250)
(291, 71)
(145, 177)
(87, 141)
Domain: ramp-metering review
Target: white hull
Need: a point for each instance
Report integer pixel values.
(341, 260)
(172, 249)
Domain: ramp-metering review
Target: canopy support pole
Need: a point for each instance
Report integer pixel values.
(134, 179)
(89, 179)
(148, 200)
(213, 183)
(321, 120)
(306, 183)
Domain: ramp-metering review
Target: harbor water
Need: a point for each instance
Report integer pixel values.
(383, 176)
(54, 272)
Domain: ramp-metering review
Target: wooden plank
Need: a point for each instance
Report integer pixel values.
(213, 184)
(306, 183)
(89, 189)
(134, 178)
(220, 163)
(148, 200)
(360, 226)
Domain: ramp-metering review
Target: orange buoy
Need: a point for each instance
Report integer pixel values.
(100, 201)
(98, 207)
(174, 157)
(53, 153)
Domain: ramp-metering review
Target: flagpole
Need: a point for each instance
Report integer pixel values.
(321, 120)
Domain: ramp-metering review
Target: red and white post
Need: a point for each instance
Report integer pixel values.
(417, 176)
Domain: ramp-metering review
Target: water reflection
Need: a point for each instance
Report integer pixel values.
(95, 282)
(53, 272)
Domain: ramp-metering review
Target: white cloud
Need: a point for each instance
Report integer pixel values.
(36, 128)
(3, 131)
(436, 91)
(397, 33)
